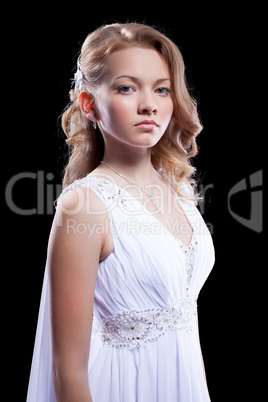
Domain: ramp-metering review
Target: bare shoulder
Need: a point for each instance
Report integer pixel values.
(83, 218)
(81, 200)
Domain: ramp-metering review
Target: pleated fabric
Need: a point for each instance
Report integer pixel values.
(144, 276)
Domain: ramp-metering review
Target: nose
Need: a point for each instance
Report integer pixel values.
(147, 105)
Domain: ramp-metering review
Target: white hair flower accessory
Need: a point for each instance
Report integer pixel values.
(78, 77)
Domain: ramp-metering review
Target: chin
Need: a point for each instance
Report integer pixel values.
(148, 139)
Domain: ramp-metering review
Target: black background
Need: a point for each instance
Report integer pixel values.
(222, 53)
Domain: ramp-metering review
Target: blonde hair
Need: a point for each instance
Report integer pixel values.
(178, 144)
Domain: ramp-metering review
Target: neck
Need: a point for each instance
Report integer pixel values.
(135, 165)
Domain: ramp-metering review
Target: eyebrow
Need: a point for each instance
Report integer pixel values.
(136, 79)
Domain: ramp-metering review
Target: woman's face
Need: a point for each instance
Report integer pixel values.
(134, 103)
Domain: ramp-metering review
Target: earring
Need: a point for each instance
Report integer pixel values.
(94, 123)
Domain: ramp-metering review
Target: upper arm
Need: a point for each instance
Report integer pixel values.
(73, 257)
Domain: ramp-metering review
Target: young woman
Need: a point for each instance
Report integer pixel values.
(128, 251)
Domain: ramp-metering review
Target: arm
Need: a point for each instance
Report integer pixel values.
(73, 258)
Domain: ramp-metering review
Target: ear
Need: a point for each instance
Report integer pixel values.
(86, 105)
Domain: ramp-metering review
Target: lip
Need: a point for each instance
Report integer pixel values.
(147, 124)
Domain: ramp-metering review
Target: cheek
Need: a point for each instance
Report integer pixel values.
(167, 112)
(115, 115)
(168, 109)
(119, 109)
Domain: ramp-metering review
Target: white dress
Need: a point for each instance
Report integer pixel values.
(145, 343)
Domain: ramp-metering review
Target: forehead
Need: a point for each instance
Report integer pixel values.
(140, 62)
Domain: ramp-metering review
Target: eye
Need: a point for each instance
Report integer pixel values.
(125, 89)
(163, 91)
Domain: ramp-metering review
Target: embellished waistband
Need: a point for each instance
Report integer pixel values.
(133, 329)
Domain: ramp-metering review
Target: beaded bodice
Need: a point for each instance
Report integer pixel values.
(150, 283)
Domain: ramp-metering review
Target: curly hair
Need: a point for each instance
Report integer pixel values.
(178, 144)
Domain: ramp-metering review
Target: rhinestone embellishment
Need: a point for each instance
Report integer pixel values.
(133, 329)
(190, 253)
(101, 186)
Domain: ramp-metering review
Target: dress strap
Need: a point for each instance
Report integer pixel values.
(98, 184)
